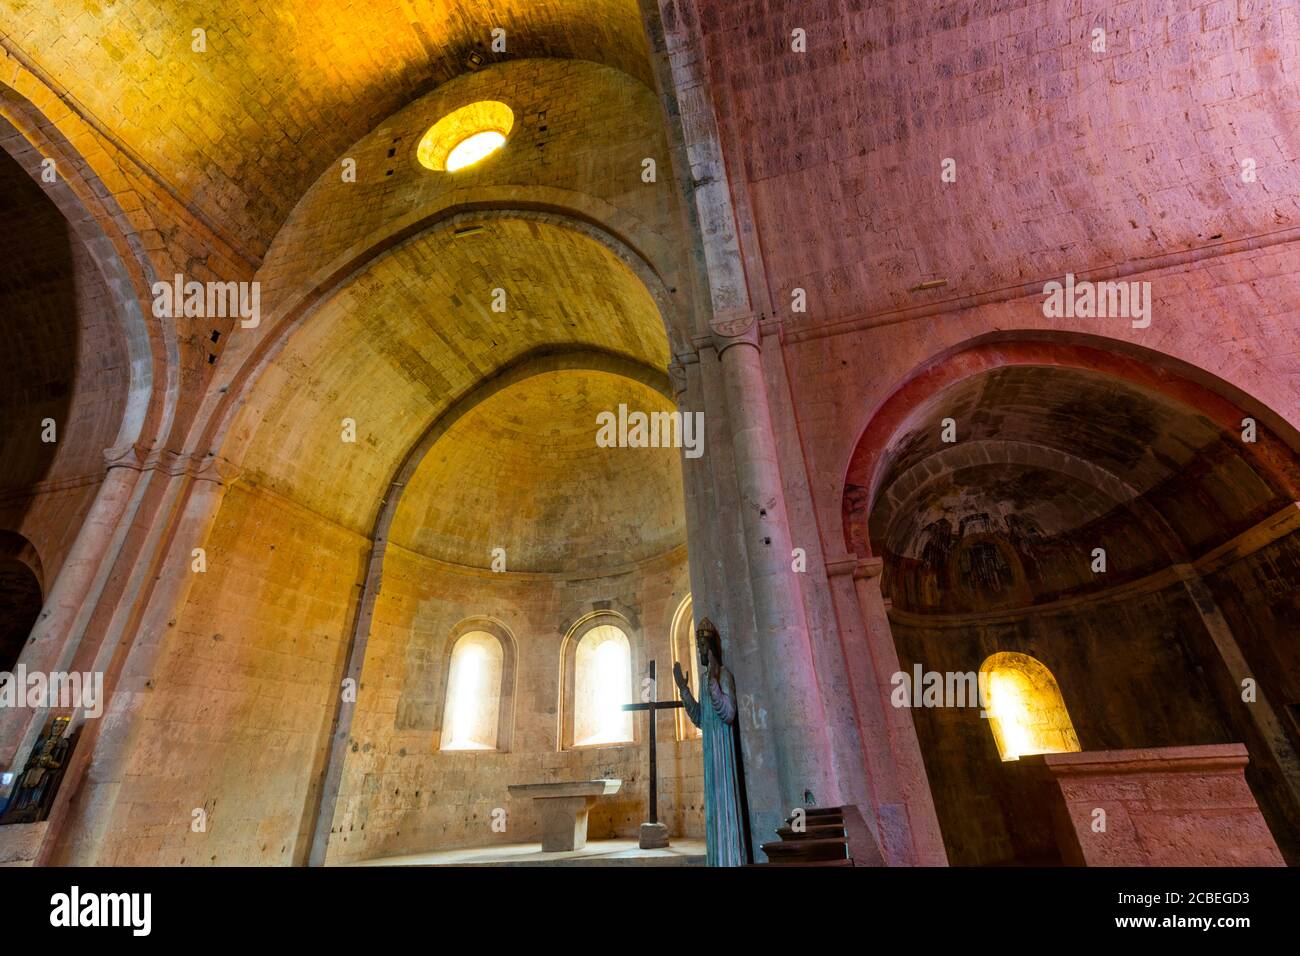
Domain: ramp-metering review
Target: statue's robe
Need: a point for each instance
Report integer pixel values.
(724, 819)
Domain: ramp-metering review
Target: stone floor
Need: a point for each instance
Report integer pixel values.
(682, 852)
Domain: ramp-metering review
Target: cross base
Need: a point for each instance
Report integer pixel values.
(654, 836)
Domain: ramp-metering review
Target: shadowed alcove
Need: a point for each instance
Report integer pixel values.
(63, 385)
(1111, 532)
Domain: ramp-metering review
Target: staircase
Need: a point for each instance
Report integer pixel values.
(830, 836)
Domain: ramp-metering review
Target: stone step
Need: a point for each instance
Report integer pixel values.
(820, 814)
(783, 863)
(813, 832)
(807, 850)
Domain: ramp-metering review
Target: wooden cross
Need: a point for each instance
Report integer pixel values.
(652, 706)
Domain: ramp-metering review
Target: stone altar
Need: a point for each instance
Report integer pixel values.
(563, 808)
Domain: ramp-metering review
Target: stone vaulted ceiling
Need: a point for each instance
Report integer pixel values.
(242, 130)
(521, 472)
(414, 333)
(1058, 461)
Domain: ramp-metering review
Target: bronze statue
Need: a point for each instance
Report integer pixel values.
(31, 799)
(726, 826)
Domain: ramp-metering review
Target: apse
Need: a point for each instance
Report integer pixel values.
(524, 562)
(421, 484)
(1091, 526)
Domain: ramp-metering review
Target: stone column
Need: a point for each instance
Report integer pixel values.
(87, 798)
(910, 825)
(794, 711)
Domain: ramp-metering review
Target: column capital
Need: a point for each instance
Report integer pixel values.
(215, 469)
(726, 331)
(129, 455)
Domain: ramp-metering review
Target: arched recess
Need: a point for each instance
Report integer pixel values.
(506, 679)
(92, 213)
(22, 591)
(406, 346)
(588, 182)
(598, 627)
(1275, 451)
(449, 230)
(1131, 517)
(682, 632)
(1027, 713)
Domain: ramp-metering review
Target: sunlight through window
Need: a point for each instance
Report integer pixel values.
(473, 148)
(473, 694)
(602, 685)
(1026, 711)
(465, 136)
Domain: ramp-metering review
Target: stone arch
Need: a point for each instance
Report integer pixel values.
(22, 592)
(1277, 451)
(230, 397)
(601, 187)
(527, 367)
(93, 214)
(1119, 481)
(568, 652)
(308, 316)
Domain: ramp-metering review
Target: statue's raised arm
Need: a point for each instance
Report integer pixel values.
(689, 703)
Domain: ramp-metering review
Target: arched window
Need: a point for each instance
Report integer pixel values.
(683, 638)
(1025, 708)
(476, 707)
(598, 683)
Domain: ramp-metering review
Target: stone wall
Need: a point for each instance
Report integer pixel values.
(1067, 159)
(1128, 677)
(234, 718)
(401, 794)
